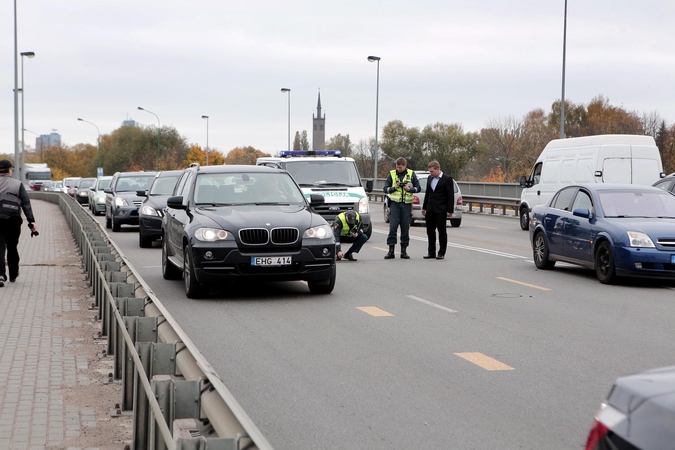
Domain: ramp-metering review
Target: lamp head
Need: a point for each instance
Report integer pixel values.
(285, 90)
(373, 58)
(205, 117)
(140, 108)
(28, 54)
(79, 119)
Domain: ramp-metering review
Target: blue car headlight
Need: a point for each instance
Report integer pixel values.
(318, 232)
(639, 239)
(212, 235)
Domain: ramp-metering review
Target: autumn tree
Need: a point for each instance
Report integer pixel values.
(244, 155)
(340, 142)
(198, 155)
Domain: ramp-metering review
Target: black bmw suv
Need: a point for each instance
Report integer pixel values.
(251, 223)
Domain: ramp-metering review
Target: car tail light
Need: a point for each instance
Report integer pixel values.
(596, 435)
(416, 200)
(459, 201)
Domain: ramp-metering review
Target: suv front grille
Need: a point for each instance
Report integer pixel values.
(284, 235)
(254, 236)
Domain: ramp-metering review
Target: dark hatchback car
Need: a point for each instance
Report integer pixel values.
(82, 192)
(617, 230)
(638, 414)
(121, 201)
(152, 208)
(249, 223)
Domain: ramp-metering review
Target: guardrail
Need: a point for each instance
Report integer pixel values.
(177, 399)
(502, 197)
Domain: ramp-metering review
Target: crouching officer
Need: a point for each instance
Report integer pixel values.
(348, 223)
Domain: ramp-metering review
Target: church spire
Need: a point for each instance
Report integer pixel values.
(318, 106)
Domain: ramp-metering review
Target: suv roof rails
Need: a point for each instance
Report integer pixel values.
(194, 165)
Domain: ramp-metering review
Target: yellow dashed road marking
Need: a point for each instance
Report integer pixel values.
(374, 311)
(484, 361)
(534, 286)
(483, 226)
(383, 249)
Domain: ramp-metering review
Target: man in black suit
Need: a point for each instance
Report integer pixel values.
(439, 204)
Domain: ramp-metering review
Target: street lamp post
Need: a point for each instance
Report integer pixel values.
(16, 97)
(23, 124)
(377, 106)
(562, 97)
(289, 115)
(98, 150)
(159, 127)
(207, 138)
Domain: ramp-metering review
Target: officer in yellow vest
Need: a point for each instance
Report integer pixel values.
(348, 223)
(401, 184)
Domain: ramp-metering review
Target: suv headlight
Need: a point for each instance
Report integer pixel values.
(638, 239)
(119, 201)
(83, 194)
(318, 232)
(149, 211)
(363, 205)
(212, 235)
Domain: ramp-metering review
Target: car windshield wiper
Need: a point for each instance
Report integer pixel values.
(308, 184)
(665, 217)
(336, 184)
(214, 204)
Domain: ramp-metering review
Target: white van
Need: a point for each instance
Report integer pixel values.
(609, 158)
(326, 173)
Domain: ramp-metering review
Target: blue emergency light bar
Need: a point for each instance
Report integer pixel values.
(287, 153)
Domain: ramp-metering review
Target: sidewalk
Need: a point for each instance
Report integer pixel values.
(52, 391)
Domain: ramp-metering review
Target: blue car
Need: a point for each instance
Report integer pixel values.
(617, 230)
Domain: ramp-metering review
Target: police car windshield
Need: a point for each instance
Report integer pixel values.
(328, 172)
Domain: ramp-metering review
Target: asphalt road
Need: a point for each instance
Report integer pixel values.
(481, 350)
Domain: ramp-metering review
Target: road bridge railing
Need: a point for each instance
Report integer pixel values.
(177, 399)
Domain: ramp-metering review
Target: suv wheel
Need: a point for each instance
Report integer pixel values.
(455, 223)
(115, 226)
(108, 222)
(322, 286)
(143, 242)
(192, 287)
(386, 212)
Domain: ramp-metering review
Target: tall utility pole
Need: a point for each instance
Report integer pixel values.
(17, 173)
(23, 123)
(377, 106)
(207, 138)
(562, 97)
(288, 91)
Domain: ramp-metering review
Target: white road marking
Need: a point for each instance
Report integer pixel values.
(427, 302)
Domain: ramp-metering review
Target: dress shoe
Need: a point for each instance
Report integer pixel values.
(429, 256)
(440, 256)
(2, 280)
(349, 256)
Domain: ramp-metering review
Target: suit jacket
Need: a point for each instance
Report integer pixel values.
(442, 199)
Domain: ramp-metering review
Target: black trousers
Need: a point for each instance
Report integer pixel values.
(436, 221)
(10, 229)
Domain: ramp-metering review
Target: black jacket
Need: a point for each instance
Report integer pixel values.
(441, 200)
(14, 197)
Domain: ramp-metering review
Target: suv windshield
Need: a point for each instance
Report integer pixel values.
(103, 184)
(241, 188)
(328, 172)
(163, 185)
(87, 183)
(133, 184)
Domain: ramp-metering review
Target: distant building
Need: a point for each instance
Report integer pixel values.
(319, 132)
(46, 141)
(129, 123)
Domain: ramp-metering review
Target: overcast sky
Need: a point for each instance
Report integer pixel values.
(446, 61)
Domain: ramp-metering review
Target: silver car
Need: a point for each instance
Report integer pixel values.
(418, 201)
(97, 196)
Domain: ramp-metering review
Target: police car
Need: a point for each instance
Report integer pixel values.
(327, 173)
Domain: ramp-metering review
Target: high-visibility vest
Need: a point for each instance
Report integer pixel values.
(346, 229)
(399, 194)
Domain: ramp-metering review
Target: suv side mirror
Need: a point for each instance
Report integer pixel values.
(369, 186)
(176, 202)
(142, 193)
(316, 200)
(108, 191)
